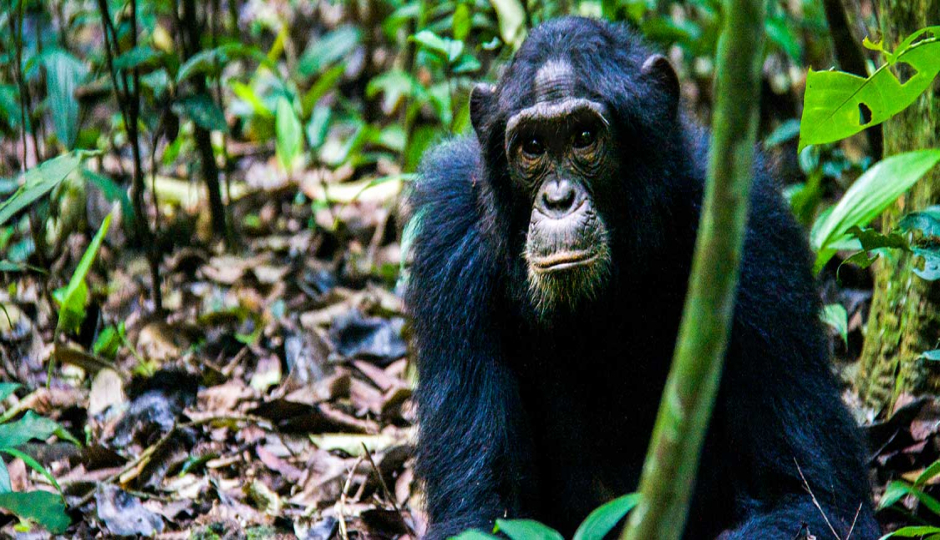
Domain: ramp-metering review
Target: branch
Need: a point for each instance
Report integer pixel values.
(689, 396)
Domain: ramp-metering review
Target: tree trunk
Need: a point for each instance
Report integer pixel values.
(905, 312)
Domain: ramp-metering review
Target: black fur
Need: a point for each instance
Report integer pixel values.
(547, 419)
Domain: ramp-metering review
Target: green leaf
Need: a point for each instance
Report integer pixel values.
(927, 221)
(325, 83)
(474, 534)
(874, 191)
(38, 181)
(141, 55)
(447, 49)
(247, 94)
(784, 132)
(202, 110)
(837, 105)
(915, 531)
(72, 309)
(462, 22)
(328, 50)
(107, 343)
(604, 518)
(31, 426)
(45, 508)
(835, 316)
(8, 388)
(526, 529)
(290, 137)
(511, 16)
(871, 239)
(64, 73)
(929, 473)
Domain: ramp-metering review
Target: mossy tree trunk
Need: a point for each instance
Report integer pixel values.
(905, 312)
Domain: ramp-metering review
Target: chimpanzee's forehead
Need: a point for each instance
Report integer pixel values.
(554, 80)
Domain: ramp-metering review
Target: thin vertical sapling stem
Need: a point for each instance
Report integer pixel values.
(127, 95)
(688, 399)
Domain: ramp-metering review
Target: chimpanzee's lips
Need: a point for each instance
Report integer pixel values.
(563, 260)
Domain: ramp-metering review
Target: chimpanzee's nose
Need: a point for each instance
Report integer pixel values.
(557, 198)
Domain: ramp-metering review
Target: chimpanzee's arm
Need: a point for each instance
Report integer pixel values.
(467, 398)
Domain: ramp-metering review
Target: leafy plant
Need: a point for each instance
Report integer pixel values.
(44, 507)
(838, 105)
(874, 191)
(899, 489)
(74, 296)
(595, 527)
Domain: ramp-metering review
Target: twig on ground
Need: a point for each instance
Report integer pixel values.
(815, 502)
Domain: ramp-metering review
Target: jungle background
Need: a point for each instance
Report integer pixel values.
(203, 247)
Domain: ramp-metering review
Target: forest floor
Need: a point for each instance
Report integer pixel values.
(272, 399)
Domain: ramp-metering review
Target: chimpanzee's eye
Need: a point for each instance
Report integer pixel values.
(533, 147)
(584, 139)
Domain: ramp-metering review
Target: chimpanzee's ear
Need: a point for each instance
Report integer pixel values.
(659, 69)
(481, 98)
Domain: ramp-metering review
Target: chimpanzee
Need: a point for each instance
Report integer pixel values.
(549, 272)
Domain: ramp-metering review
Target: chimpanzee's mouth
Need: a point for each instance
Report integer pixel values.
(563, 260)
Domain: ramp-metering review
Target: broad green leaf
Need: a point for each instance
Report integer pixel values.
(318, 125)
(45, 508)
(835, 316)
(8, 388)
(526, 529)
(604, 518)
(784, 132)
(38, 181)
(327, 50)
(325, 83)
(64, 73)
(874, 191)
(447, 49)
(474, 534)
(916, 531)
(896, 490)
(140, 55)
(929, 473)
(72, 310)
(837, 105)
(202, 110)
(31, 426)
(511, 16)
(290, 136)
(927, 221)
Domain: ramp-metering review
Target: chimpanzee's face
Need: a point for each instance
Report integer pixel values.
(559, 151)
